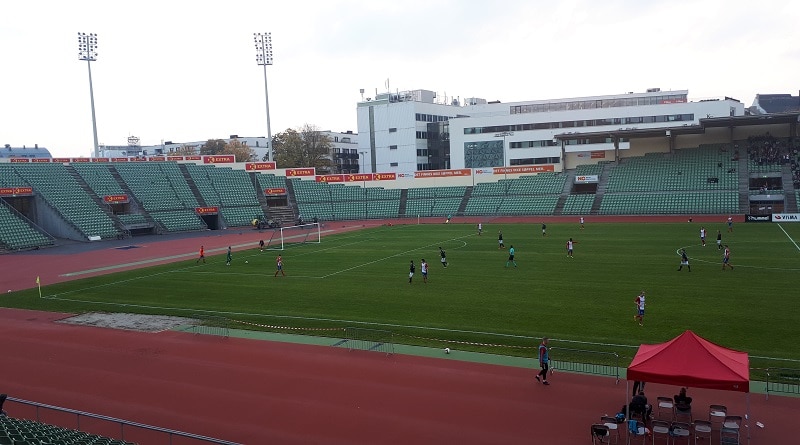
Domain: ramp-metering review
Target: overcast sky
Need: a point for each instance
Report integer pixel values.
(186, 71)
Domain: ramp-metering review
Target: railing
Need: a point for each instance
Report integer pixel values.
(779, 380)
(368, 340)
(585, 361)
(211, 325)
(164, 433)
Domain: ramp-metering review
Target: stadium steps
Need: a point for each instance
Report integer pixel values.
(134, 204)
(192, 186)
(744, 184)
(562, 199)
(789, 189)
(463, 205)
(601, 187)
(401, 211)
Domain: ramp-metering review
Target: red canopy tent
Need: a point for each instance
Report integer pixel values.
(689, 360)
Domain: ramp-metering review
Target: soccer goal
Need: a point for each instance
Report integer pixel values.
(285, 236)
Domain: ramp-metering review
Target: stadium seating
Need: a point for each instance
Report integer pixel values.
(578, 204)
(17, 234)
(703, 168)
(28, 432)
(341, 202)
(63, 193)
(99, 178)
(230, 190)
(164, 193)
(670, 203)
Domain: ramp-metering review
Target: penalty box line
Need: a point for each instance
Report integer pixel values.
(790, 238)
(439, 243)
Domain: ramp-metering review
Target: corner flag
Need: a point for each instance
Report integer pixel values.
(39, 285)
(37, 280)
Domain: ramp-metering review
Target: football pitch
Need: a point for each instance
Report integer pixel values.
(361, 279)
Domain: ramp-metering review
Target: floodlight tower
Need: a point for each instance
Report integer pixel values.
(263, 43)
(87, 50)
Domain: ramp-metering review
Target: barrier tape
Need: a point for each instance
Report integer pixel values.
(268, 326)
(472, 343)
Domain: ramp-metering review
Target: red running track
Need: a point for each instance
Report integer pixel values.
(260, 392)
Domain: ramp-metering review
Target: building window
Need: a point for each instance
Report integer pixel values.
(393, 147)
(393, 130)
(393, 164)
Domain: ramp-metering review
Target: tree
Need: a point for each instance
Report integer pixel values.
(304, 147)
(239, 150)
(212, 147)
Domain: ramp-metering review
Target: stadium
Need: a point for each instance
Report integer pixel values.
(347, 347)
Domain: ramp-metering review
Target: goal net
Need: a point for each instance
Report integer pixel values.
(301, 234)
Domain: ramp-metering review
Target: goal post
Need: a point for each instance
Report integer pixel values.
(300, 234)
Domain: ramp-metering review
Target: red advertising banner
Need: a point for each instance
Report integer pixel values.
(193, 158)
(358, 177)
(115, 199)
(61, 160)
(137, 159)
(101, 159)
(330, 178)
(20, 160)
(385, 176)
(174, 158)
(80, 160)
(254, 166)
(157, 158)
(39, 160)
(119, 159)
(219, 159)
(442, 173)
(308, 171)
(598, 155)
(524, 169)
(16, 191)
(275, 191)
(206, 210)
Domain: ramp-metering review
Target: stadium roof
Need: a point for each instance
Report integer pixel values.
(711, 122)
(777, 103)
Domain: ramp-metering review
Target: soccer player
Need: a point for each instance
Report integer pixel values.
(703, 235)
(544, 229)
(261, 245)
(719, 240)
(411, 270)
(480, 228)
(228, 257)
(544, 363)
(684, 261)
(570, 245)
(582, 227)
(423, 267)
(444, 257)
(730, 225)
(500, 243)
(511, 256)
(279, 266)
(726, 258)
(202, 255)
(639, 309)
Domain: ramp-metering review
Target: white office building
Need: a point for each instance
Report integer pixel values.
(409, 131)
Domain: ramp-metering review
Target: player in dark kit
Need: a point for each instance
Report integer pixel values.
(444, 257)
(684, 261)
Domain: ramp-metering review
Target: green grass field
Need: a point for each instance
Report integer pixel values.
(361, 279)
